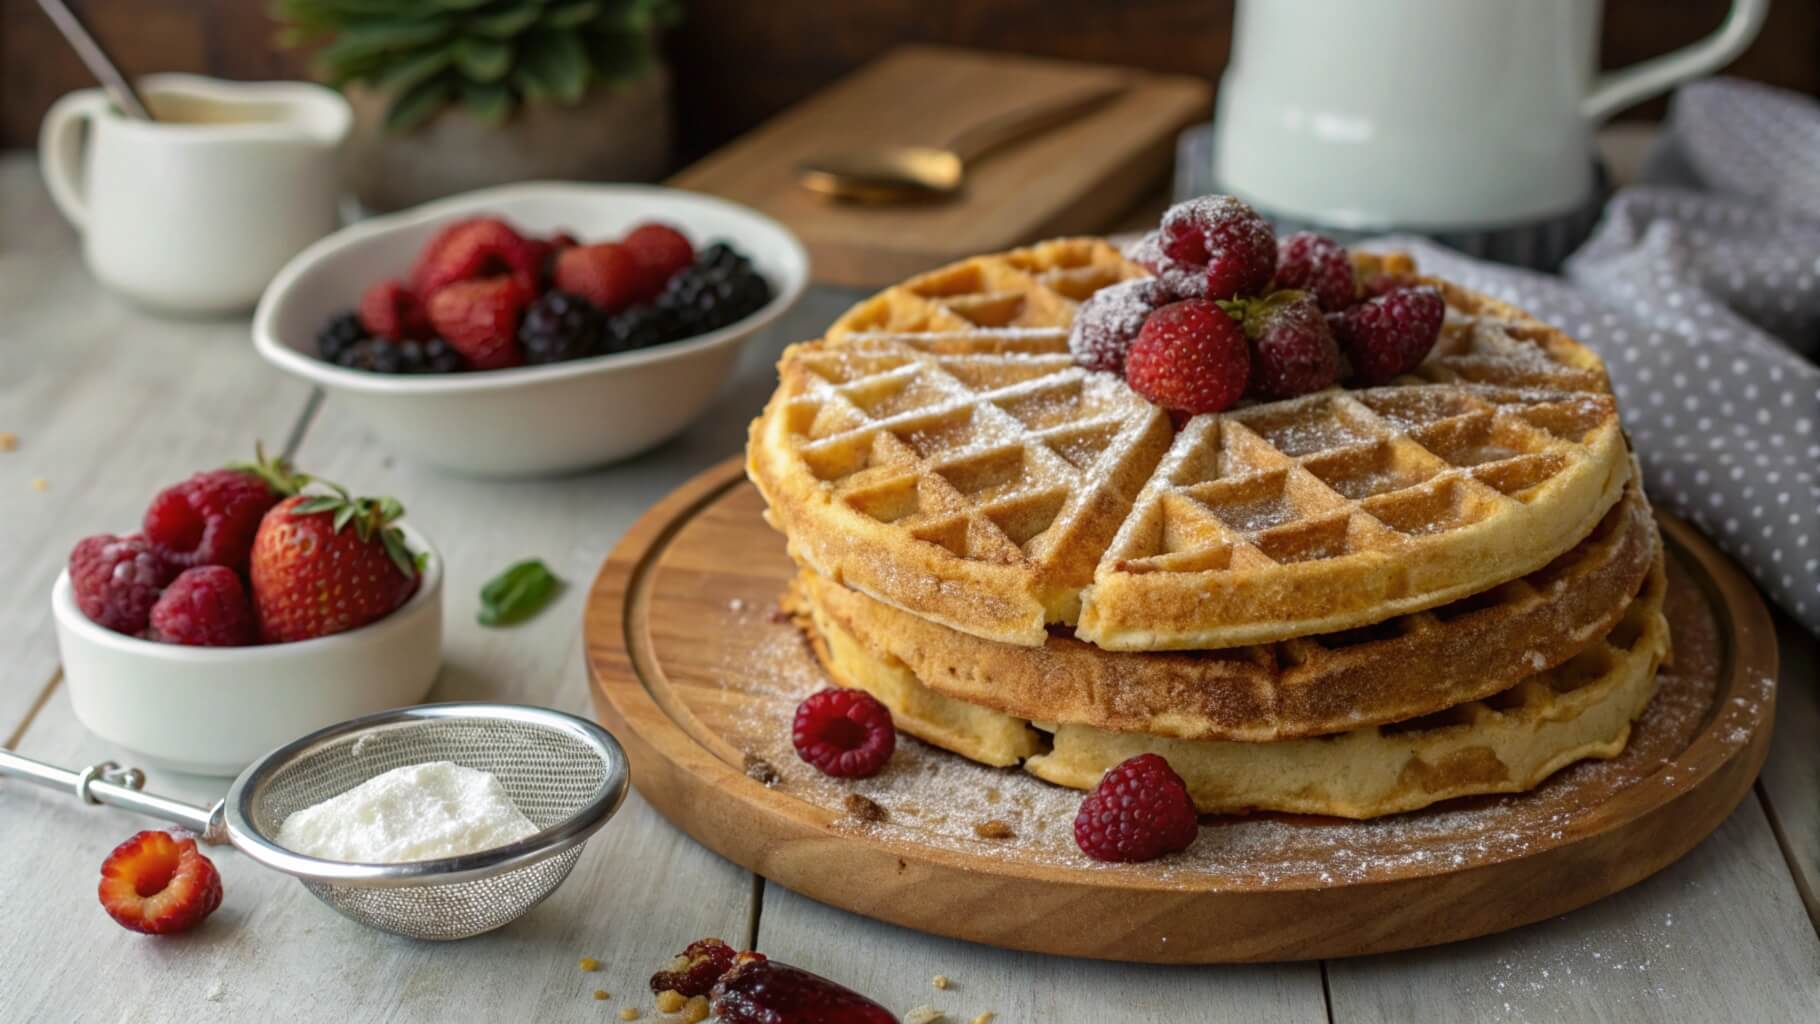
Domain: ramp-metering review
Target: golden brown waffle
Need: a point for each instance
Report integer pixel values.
(1506, 743)
(1309, 686)
(973, 475)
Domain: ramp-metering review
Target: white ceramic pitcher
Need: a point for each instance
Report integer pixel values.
(1374, 114)
(196, 211)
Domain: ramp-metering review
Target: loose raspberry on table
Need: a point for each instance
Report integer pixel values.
(117, 580)
(763, 991)
(1318, 265)
(1190, 357)
(479, 247)
(210, 519)
(694, 971)
(1237, 246)
(661, 251)
(390, 310)
(206, 606)
(1292, 348)
(844, 733)
(1391, 334)
(479, 319)
(1140, 811)
(158, 884)
(1109, 321)
(608, 275)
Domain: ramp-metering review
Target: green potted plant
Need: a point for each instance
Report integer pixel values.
(452, 95)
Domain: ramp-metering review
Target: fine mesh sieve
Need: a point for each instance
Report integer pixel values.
(566, 774)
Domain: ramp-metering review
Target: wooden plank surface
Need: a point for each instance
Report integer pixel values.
(107, 405)
(1790, 783)
(1073, 179)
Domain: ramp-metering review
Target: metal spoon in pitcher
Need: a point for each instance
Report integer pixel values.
(892, 174)
(99, 64)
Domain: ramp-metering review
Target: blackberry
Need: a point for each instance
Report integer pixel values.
(441, 357)
(639, 327)
(340, 333)
(559, 327)
(374, 355)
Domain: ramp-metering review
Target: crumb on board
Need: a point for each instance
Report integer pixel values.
(759, 770)
(695, 1010)
(994, 829)
(670, 1001)
(925, 1015)
(940, 981)
(8, 441)
(863, 808)
(984, 1018)
(588, 963)
(601, 993)
(629, 1013)
(40, 484)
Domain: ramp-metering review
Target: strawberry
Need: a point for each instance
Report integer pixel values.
(157, 883)
(469, 249)
(1190, 357)
(390, 310)
(608, 275)
(479, 319)
(314, 576)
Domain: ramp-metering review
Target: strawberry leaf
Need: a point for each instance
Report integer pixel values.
(342, 515)
(395, 549)
(516, 594)
(317, 504)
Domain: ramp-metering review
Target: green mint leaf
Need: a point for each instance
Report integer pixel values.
(518, 593)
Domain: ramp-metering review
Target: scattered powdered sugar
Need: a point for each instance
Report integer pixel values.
(933, 798)
(1109, 321)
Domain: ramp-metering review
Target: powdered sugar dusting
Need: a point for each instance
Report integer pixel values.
(1109, 321)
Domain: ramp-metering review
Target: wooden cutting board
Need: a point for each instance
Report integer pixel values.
(1073, 179)
(693, 671)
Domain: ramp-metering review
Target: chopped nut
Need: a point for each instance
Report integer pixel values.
(588, 963)
(984, 1018)
(8, 441)
(629, 1013)
(758, 769)
(863, 808)
(939, 981)
(696, 1010)
(925, 1015)
(670, 1001)
(40, 484)
(993, 829)
(600, 993)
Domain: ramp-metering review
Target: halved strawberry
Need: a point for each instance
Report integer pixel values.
(157, 883)
(328, 563)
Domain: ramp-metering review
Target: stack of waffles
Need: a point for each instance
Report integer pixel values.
(1352, 603)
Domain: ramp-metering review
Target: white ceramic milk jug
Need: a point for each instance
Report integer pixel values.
(196, 211)
(1374, 114)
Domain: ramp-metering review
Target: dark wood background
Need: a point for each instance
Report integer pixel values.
(739, 61)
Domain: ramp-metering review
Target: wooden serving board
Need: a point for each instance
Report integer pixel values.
(697, 675)
(1073, 179)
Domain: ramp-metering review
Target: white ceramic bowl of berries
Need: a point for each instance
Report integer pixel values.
(250, 609)
(532, 329)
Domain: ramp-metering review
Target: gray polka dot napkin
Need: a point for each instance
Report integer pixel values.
(1701, 289)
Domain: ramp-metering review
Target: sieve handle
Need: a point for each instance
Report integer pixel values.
(107, 783)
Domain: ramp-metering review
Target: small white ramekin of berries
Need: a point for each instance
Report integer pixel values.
(532, 329)
(254, 605)
(1233, 313)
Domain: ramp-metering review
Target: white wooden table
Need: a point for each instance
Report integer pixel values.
(109, 403)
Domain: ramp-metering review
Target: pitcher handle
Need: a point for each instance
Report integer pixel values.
(1619, 89)
(60, 151)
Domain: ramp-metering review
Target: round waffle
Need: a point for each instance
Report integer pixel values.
(1309, 686)
(939, 451)
(1505, 743)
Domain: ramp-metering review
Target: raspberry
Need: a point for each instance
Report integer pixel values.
(1228, 238)
(1292, 348)
(661, 252)
(1391, 334)
(846, 733)
(1318, 265)
(1140, 811)
(760, 990)
(694, 971)
(1190, 357)
(607, 275)
(205, 607)
(117, 580)
(210, 519)
(1179, 280)
(479, 319)
(390, 310)
(475, 248)
(1109, 321)
(158, 884)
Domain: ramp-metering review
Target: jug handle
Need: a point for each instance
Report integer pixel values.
(1619, 89)
(60, 151)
